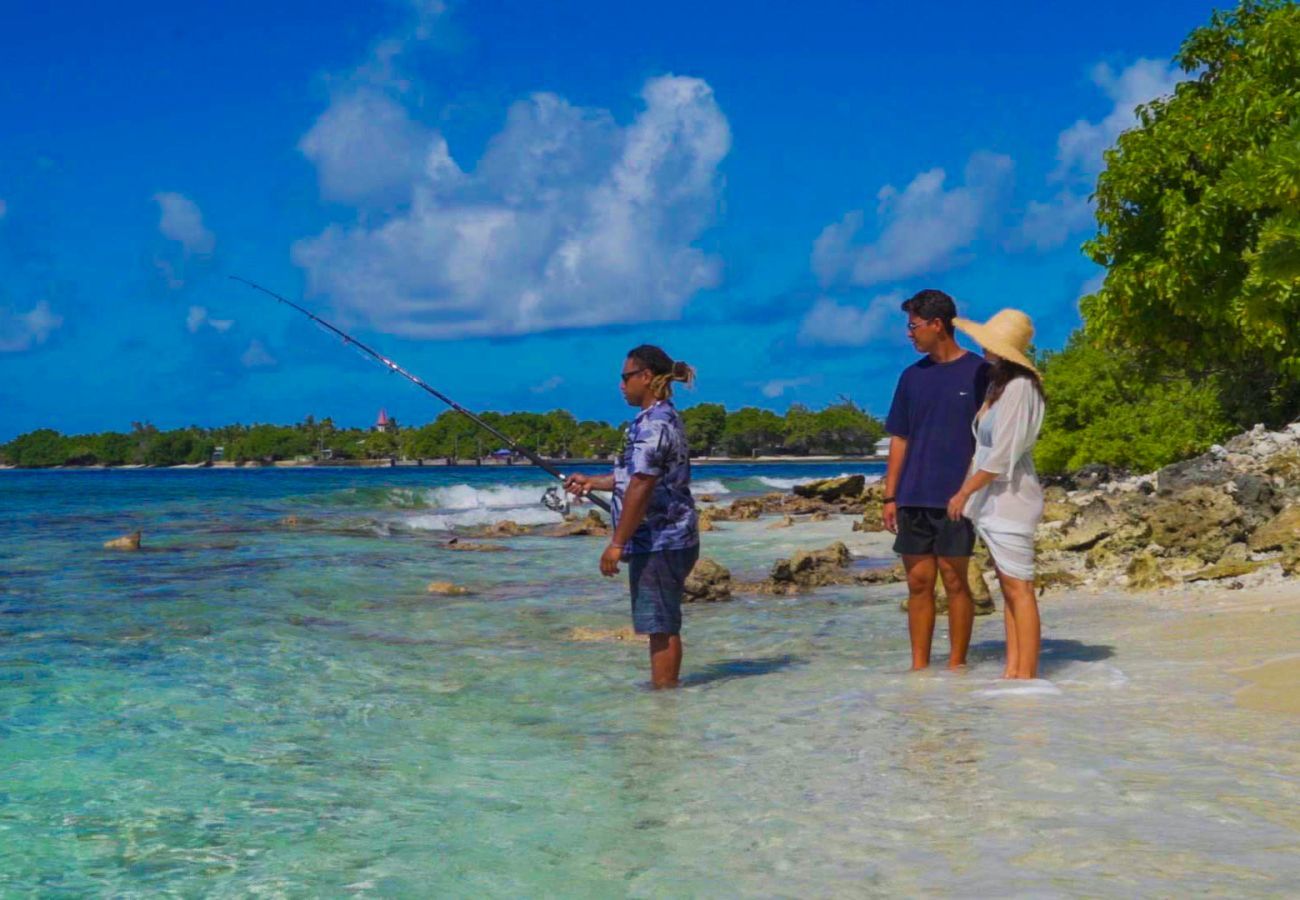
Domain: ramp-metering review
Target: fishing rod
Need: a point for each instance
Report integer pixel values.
(552, 499)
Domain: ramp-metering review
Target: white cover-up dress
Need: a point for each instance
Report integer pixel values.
(1006, 511)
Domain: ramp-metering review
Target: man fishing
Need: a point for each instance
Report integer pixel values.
(656, 530)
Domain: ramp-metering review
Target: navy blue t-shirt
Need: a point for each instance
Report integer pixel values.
(934, 405)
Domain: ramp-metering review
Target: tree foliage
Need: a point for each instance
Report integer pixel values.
(842, 428)
(1199, 209)
(1109, 407)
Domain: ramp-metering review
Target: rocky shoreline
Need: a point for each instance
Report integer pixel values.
(1229, 518)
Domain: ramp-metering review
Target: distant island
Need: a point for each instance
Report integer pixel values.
(840, 429)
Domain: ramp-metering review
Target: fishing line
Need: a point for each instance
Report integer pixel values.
(554, 499)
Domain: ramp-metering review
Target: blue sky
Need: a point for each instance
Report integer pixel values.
(505, 197)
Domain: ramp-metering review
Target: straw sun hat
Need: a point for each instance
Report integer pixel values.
(1007, 334)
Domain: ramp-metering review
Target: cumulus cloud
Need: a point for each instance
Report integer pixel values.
(1080, 152)
(1049, 224)
(778, 386)
(833, 324)
(197, 317)
(922, 228)
(182, 222)
(1079, 148)
(568, 220)
(256, 356)
(366, 150)
(548, 385)
(22, 331)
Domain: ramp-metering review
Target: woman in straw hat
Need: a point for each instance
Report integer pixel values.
(1001, 494)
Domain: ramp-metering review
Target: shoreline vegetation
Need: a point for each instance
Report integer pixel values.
(441, 463)
(839, 431)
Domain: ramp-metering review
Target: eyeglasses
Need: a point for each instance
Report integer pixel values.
(912, 326)
(626, 375)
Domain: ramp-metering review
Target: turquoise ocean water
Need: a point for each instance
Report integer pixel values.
(245, 708)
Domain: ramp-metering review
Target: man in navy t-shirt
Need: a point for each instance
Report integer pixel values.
(930, 450)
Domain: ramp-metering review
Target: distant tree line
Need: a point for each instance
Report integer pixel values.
(839, 429)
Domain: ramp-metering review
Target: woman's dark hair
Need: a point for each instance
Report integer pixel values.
(1002, 372)
(931, 304)
(664, 369)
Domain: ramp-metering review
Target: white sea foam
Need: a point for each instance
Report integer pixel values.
(785, 484)
(1033, 687)
(1090, 674)
(709, 486)
(496, 496)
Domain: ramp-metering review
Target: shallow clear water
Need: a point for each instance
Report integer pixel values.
(246, 708)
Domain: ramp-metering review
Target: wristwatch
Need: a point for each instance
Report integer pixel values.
(886, 500)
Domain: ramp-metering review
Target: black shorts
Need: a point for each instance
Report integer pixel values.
(923, 531)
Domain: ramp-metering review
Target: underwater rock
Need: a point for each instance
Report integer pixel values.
(602, 634)
(447, 589)
(474, 546)
(709, 582)
(125, 542)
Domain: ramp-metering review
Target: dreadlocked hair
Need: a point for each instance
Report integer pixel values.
(663, 368)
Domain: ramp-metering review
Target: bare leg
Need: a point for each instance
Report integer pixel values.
(665, 659)
(1019, 597)
(961, 608)
(1013, 650)
(921, 572)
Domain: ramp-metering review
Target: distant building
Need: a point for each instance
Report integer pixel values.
(218, 454)
(384, 424)
(882, 447)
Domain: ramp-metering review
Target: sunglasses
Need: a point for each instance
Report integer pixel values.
(626, 375)
(912, 326)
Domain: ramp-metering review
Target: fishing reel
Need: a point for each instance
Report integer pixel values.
(556, 500)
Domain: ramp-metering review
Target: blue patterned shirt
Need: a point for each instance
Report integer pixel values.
(655, 444)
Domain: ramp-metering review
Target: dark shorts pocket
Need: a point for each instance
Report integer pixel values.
(657, 581)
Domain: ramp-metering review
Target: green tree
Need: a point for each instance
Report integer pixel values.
(750, 430)
(1105, 406)
(704, 426)
(38, 449)
(1199, 217)
(845, 428)
(596, 440)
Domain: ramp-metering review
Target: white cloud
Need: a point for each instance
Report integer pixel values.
(257, 356)
(366, 150)
(778, 386)
(1050, 224)
(832, 324)
(197, 317)
(548, 385)
(568, 220)
(1080, 147)
(1080, 152)
(181, 221)
(922, 227)
(22, 331)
